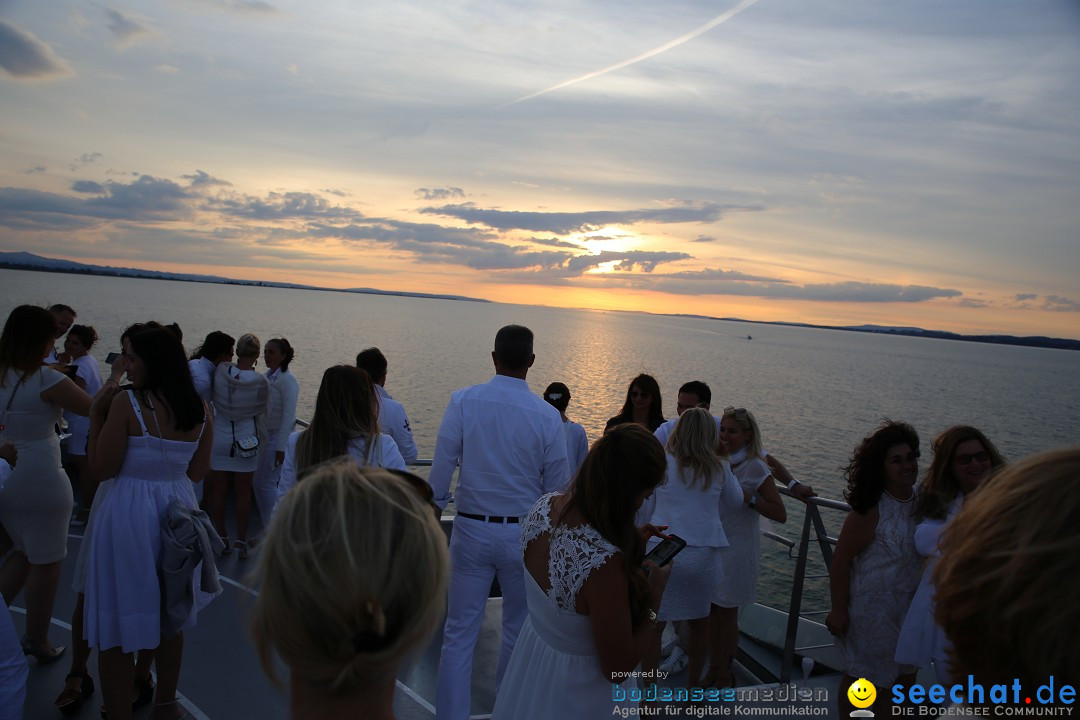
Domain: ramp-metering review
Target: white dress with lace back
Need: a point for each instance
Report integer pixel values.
(555, 670)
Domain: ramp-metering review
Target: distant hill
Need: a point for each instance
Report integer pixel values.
(1028, 341)
(29, 261)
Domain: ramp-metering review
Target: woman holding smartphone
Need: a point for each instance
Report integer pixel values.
(592, 607)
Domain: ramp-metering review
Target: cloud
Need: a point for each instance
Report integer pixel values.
(1057, 303)
(565, 222)
(445, 245)
(85, 159)
(280, 206)
(146, 198)
(439, 193)
(88, 186)
(554, 242)
(202, 179)
(243, 6)
(34, 170)
(126, 32)
(973, 303)
(1023, 297)
(719, 275)
(704, 239)
(624, 261)
(25, 57)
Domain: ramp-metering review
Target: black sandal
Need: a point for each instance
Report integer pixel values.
(71, 701)
(145, 687)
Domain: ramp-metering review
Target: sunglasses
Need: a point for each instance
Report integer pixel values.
(966, 458)
(737, 412)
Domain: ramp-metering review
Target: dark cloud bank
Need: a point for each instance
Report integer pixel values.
(231, 225)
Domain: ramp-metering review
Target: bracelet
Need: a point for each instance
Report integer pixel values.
(114, 382)
(791, 485)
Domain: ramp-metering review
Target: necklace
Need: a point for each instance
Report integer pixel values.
(910, 497)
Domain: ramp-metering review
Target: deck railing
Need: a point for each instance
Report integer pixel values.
(811, 520)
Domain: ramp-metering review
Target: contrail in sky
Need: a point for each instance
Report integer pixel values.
(646, 55)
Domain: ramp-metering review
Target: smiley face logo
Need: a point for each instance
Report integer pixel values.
(862, 693)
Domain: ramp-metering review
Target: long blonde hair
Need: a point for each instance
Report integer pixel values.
(352, 578)
(345, 408)
(693, 444)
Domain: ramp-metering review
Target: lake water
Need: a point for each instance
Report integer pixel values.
(814, 392)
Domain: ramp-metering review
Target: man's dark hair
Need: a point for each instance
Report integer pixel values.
(514, 347)
(61, 307)
(697, 387)
(372, 361)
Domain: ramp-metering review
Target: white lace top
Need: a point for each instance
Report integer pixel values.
(573, 553)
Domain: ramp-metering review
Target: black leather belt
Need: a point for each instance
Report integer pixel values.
(490, 518)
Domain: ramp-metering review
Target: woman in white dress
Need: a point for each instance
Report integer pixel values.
(577, 443)
(592, 607)
(346, 422)
(217, 348)
(352, 580)
(875, 568)
(156, 440)
(35, 506)
(964, 458)
(280, 420)
(80, 339)
(699, 487)
(741, 436)
(241, 396)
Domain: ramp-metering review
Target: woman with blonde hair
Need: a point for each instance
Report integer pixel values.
(964, 458)
(241, 396)
(352, 580)
(345, 422)
(698, 489)
(741, 437)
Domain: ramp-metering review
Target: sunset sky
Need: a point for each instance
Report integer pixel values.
(911, 162)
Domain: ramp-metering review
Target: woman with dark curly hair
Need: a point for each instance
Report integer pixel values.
(643, 405)
(875, 568)
(963, 459)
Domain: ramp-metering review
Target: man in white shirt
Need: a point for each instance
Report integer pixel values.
(392, 418)
(511, 448)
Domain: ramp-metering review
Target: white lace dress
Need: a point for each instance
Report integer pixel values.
(883, 580)
(554, 671)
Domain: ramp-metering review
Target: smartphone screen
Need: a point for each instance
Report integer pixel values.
(71, 371)
(111, 358)
(666, 550)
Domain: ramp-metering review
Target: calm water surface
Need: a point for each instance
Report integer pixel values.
(814, 392)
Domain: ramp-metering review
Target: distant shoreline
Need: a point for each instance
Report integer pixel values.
(35, 263)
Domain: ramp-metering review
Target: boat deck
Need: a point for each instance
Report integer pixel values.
(222, 678)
